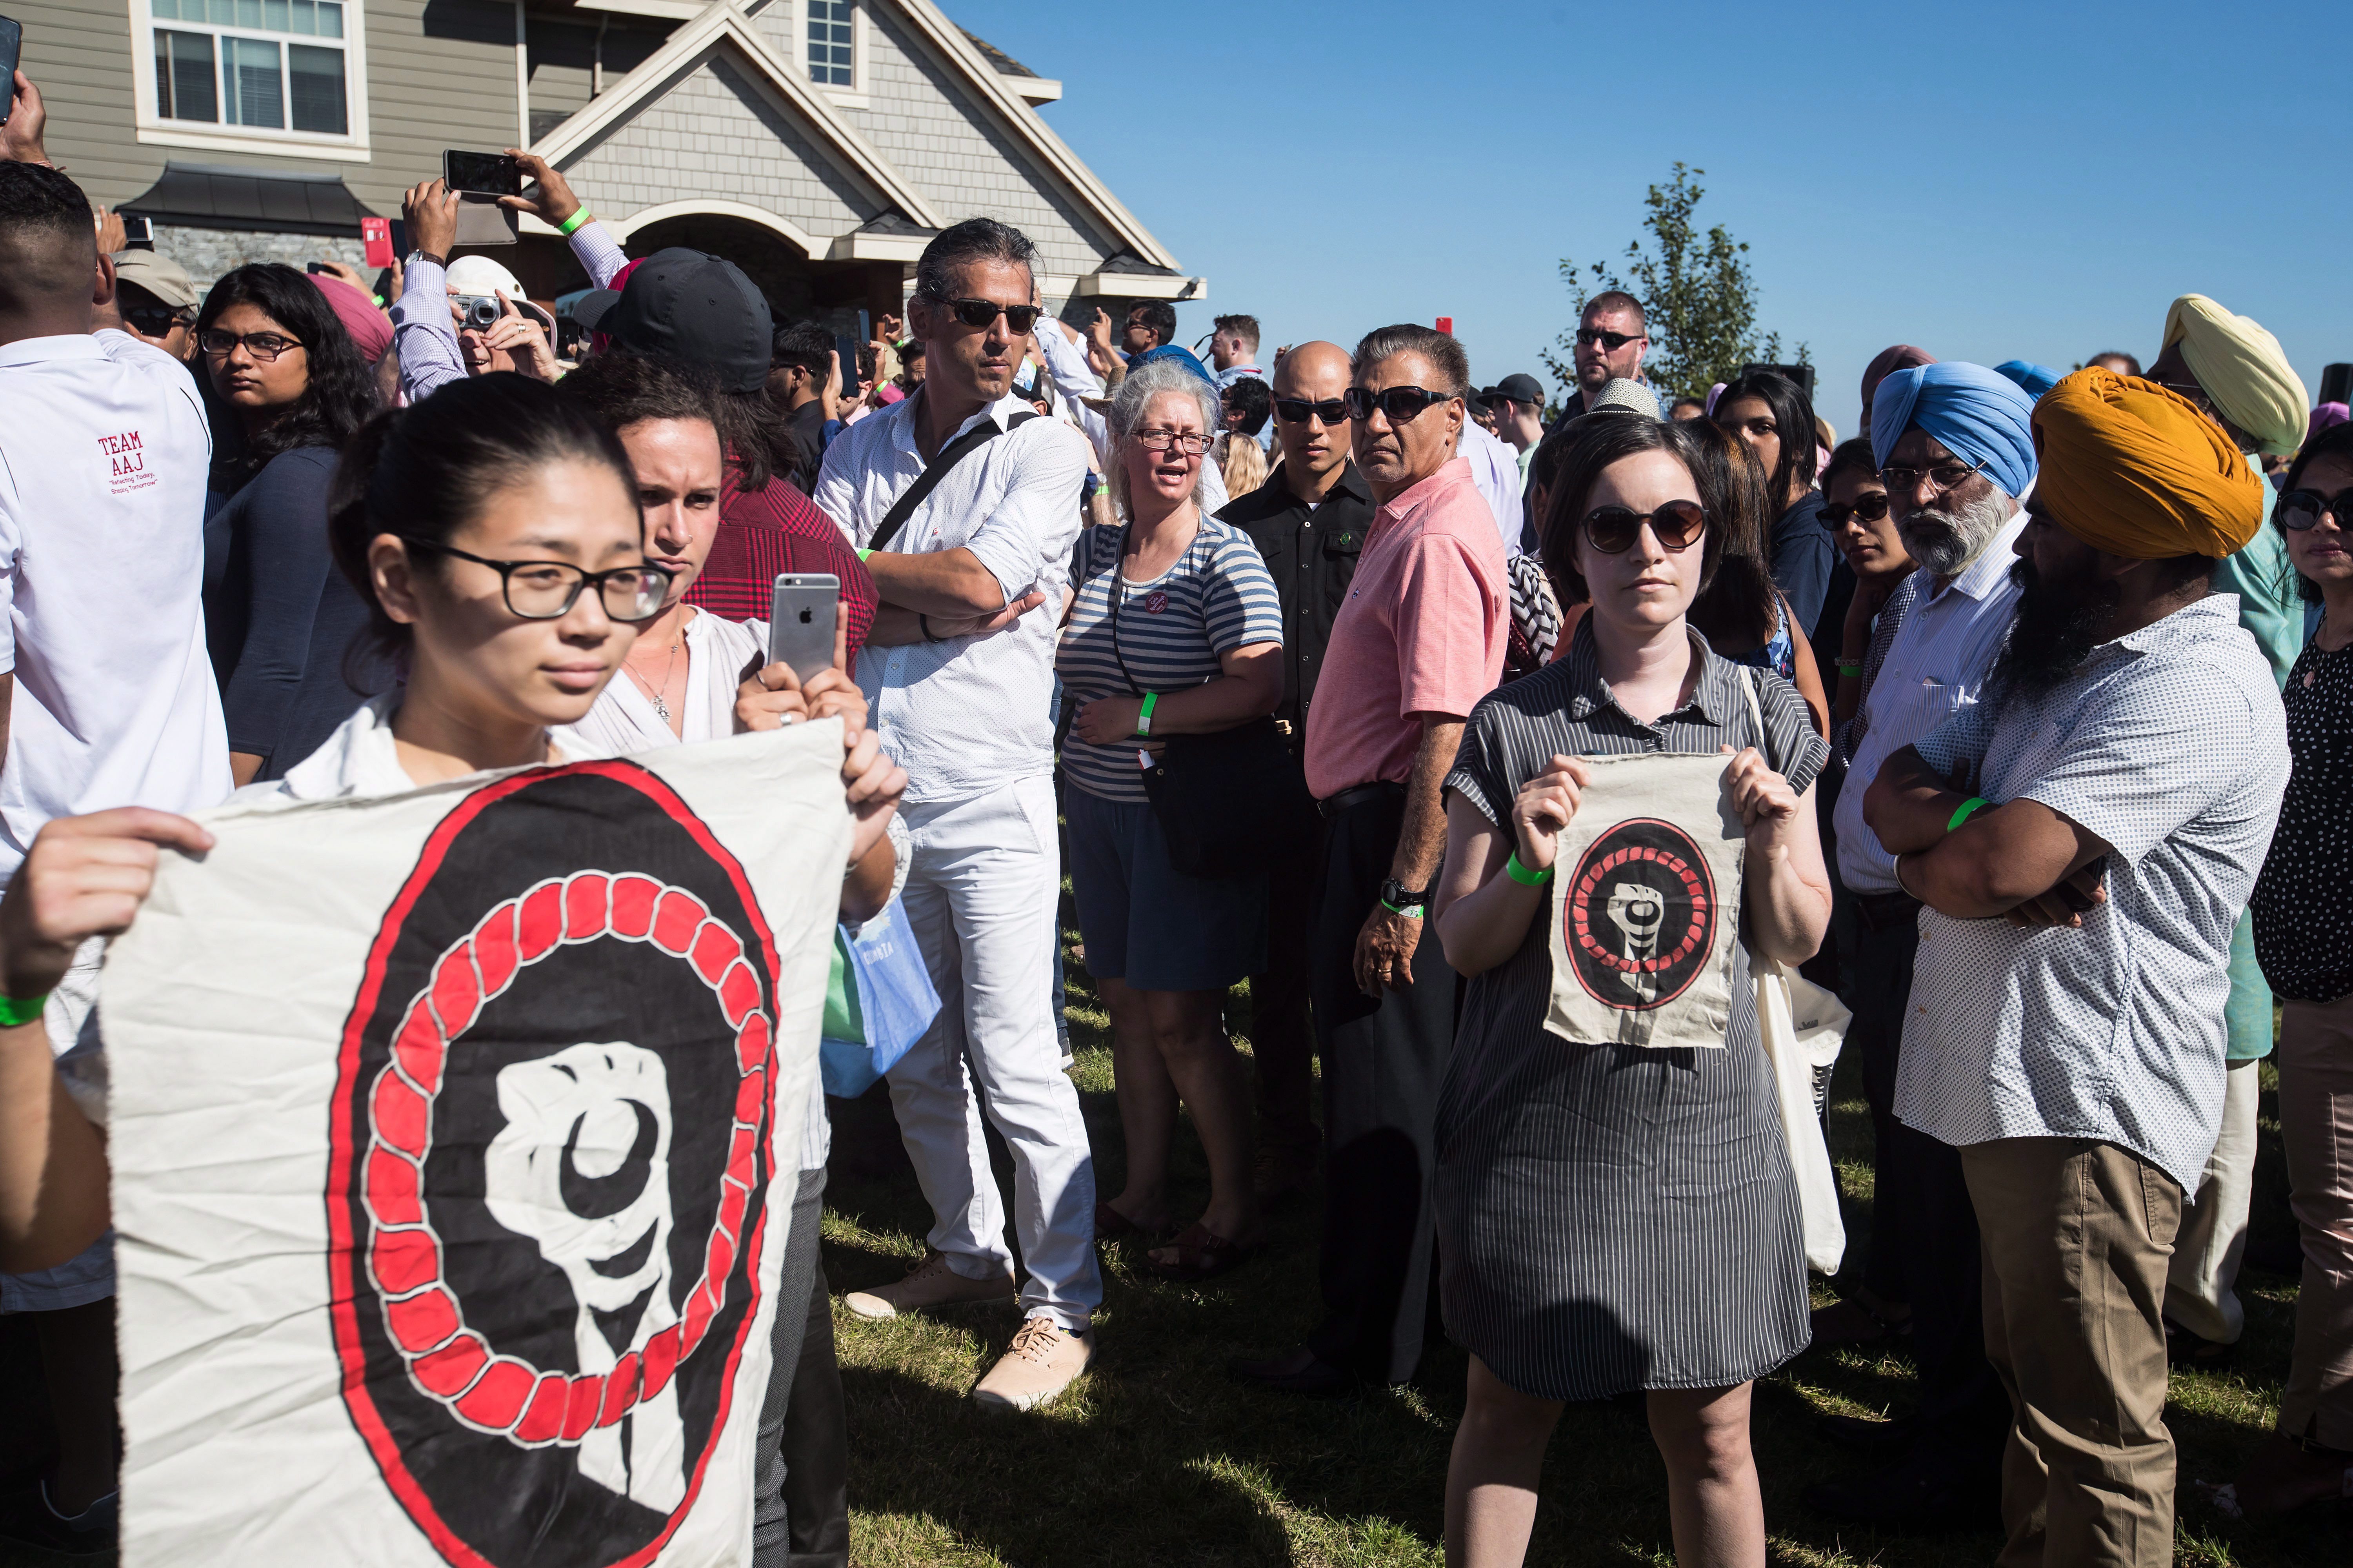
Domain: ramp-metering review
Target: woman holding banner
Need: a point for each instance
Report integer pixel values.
(1615, 1205)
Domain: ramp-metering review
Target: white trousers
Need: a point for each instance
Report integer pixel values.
(982, 885)
(2213, 1235)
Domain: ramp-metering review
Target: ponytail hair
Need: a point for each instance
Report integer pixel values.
(426, 471)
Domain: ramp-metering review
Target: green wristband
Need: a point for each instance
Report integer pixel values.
(1411, 911)
(1848, 667)
(569, 226)
(863, 556)
(1143, 719)
(15, 1013)
(1968, 809)
(1522, 876)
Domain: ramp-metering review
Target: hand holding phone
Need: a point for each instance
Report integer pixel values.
(485, 173)
(12, 44)
(800, 622)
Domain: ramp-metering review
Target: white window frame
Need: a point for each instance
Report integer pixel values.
(155, 131)
(856, 95)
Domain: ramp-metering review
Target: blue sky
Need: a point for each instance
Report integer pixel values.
(1991, 182)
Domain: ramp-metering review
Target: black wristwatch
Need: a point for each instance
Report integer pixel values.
(428, 255)
(1404, 901)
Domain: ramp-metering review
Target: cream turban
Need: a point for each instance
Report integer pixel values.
(2242, 370)
(2135, 470)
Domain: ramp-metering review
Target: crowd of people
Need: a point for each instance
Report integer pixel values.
(2017, 719)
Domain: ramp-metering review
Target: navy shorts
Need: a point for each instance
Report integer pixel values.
(1143, 922)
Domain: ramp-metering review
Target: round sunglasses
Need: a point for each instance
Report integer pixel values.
(1613, 530)
(1869, 507)
(2299, 510)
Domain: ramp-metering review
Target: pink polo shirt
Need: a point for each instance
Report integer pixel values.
(1423, 631)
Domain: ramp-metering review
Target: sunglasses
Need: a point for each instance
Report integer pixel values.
(2299, 510)
(1869, 508)
(1941, 477)
(1613, 530)
(1399, 403)
(980, 314)
(1612, 342)
(156, 321)
(1295, 410)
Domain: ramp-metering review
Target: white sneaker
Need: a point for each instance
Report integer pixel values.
(1038, 1364)
(931, 1283)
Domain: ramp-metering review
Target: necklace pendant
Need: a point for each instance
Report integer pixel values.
(661, 709)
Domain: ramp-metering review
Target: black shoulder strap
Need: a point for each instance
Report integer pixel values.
(934, 471)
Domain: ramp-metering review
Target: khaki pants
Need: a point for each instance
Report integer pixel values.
(2315, 1069)
(2078, 1235)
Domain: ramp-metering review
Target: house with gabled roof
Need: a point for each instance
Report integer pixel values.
(818, 143)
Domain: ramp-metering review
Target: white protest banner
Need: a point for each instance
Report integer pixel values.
(454, 1136)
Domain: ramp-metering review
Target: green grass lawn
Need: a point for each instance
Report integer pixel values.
(1156, 1457)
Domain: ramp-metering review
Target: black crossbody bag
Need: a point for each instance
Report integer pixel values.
(1228, 801)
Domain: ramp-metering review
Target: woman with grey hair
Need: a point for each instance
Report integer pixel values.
(1175, 630)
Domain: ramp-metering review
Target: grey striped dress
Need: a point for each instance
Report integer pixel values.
(1613, 1218)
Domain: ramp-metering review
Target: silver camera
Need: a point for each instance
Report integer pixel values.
(479, 311)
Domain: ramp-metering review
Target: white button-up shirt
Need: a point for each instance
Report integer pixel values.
(1935, 668)
(1496, 469)
(2170, 744)
(967, 715)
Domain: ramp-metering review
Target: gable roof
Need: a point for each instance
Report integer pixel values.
(719, 25)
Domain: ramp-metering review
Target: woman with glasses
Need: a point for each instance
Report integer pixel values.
(1613, 1216)
(287, 389)
(494, 532)
(1175, 630)
(2304, 939)
(1862, 525)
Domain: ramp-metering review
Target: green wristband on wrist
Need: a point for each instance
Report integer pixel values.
(1411, 911)
(1848, 667)
(569, 226)
(1968, 809)
(863, 556)
(1143, 719)
(1522, 876)
(15, 1013)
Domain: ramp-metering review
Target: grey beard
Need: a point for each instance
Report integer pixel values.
(1949, 543)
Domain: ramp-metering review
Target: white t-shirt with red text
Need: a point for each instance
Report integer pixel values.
(104, 451)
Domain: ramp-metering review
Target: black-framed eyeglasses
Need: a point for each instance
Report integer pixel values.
(1399, 403)
(1295, 410)
(2297, 510)
(1187, 442)
(1869, 507)
(981, 314)
(1944, 477)
(546, 589)
(1613, 530)
(263, 346)
(157, 320)
(1610, 341)
(2191, 392)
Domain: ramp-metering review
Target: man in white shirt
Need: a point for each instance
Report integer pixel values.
(1955, 445)
(959, 677)
(105, 695)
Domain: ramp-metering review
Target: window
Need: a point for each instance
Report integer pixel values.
(263, 65)
(831, 52)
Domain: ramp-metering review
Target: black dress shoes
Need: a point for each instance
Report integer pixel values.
(1299, 1370)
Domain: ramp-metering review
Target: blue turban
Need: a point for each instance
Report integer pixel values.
(2033, 379)
(1181, 356)
(1978, 414)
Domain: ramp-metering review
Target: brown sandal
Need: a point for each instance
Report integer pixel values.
(1112, 1226)
(1201, 1254)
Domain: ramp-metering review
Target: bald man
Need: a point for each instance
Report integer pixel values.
(1309, 521)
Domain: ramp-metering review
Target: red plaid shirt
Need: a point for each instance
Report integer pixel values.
(775, 530)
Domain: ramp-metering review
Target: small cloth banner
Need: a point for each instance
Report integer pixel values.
(1646, 905)
(448, 1178)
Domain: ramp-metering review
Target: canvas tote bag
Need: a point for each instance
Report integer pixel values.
(1645, 905)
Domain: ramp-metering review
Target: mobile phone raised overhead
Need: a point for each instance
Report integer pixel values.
(488, 174)
(800, 622)
(11, 41)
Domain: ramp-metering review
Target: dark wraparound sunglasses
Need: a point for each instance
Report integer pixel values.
(2299, 510)
(1613, 530)
(980, 314)
(1399, 403)
(1295, 410)
(1610, 341)
(546, 589)
(1869, 506)
(157, 320)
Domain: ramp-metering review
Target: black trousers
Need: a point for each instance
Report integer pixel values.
(1383, 1062)
(1283, 1039)
(1878, 988)
(800, 1515)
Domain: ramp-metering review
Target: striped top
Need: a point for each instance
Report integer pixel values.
(1216, 596)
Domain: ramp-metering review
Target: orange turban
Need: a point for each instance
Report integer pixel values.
(2132, 470)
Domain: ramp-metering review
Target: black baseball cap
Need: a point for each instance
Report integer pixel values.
(1520, 387)
(696, 307)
